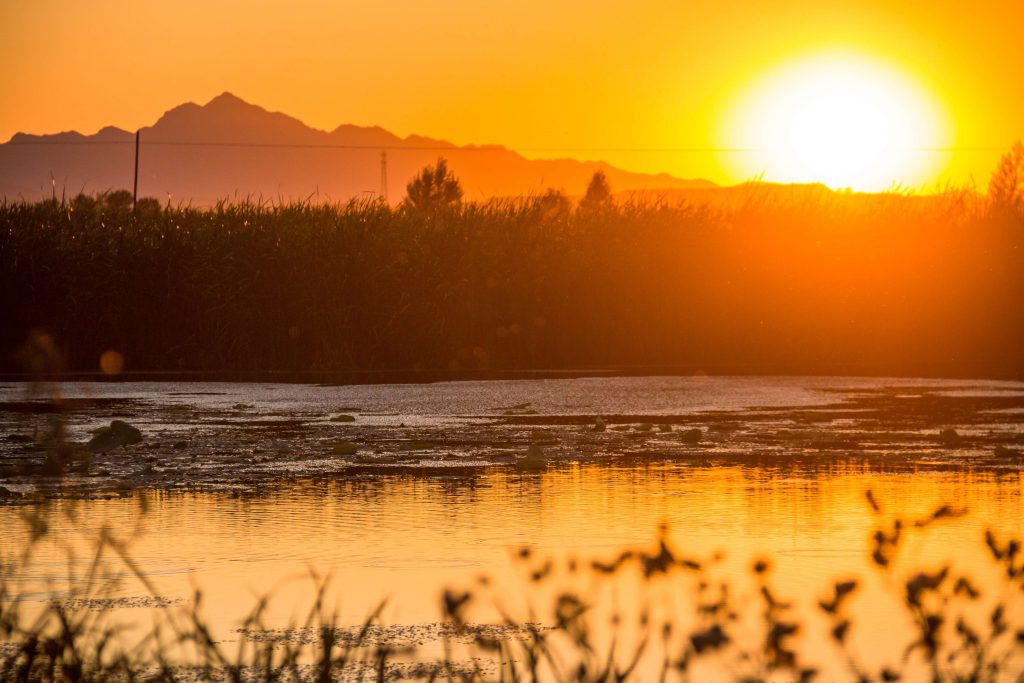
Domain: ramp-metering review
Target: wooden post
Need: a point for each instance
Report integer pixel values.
(135, 187)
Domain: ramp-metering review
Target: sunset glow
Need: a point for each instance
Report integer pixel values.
(568, 342)
(662, 88)
(842, 120)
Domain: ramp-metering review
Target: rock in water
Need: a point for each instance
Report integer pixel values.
(534, 459)
(129, 434)
(949, 437)
(345, 448)
(119, 433)
(1007, 454)
(692, 437)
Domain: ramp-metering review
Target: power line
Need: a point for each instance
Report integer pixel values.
(453, 148)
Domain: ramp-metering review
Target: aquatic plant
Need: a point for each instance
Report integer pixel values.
(844, 282)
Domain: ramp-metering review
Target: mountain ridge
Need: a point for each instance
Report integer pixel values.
(227, 147)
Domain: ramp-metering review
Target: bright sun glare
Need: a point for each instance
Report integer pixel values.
(843, 120)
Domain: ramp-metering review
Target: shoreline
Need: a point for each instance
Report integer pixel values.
(926, 371)
(234, 439)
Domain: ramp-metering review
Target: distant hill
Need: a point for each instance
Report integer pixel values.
(229, 148)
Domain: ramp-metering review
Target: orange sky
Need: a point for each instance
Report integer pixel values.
(638, 84)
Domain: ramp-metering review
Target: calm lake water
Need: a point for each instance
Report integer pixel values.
(403, 538)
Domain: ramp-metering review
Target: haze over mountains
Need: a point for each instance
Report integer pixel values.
(229, 148)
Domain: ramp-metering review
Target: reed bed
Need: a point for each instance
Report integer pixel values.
(829, 282)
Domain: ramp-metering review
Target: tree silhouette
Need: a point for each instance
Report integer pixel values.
(599, 193)
(433, 188)
(1006, 188)
(117, 201)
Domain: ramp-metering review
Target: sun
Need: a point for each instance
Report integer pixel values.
(844, 120)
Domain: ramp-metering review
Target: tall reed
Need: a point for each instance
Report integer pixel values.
(833, 283)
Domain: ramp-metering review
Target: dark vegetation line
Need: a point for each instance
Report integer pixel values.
(880, 284)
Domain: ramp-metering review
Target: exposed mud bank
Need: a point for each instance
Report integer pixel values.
(207, 440)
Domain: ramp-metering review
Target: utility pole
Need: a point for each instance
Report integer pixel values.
(384, 175)
(135, 187)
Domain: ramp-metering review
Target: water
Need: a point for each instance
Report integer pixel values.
(447, 401)
(402, 537)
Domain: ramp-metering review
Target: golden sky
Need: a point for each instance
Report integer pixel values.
(646, 85)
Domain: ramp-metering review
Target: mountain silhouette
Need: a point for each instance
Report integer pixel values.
(229, 148)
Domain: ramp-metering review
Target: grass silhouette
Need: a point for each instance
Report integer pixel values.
(835, 283)
(961, 630)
